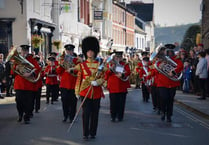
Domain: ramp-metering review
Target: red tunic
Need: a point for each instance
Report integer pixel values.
(51, 75)
(67, 79)
(83, 82)
(115, 84)
(20, 83)
(144, 76)
(164, 81)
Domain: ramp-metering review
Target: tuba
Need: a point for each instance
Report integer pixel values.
(66, 61)
(168, 64)
(24, 66)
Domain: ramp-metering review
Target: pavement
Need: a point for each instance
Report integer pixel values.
(189, 101)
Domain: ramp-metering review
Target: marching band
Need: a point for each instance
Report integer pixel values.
(85, 80)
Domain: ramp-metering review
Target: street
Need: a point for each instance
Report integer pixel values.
(141, 126)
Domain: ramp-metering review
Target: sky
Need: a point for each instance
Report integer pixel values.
(175, 12)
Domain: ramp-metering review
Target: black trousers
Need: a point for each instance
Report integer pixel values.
(69, 103)
(24, 103)
(38, 99)
(8, 86)
(117, 105)
(90, 116)
(57, 89)
(154, 97)
(159, 99)
(51, 91)
(145, 93)
(167, 95)
(203, 87)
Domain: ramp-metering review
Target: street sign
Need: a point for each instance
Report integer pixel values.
(98, 15)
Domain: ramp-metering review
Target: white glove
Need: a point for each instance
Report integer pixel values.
(94, 83)
(77, 96)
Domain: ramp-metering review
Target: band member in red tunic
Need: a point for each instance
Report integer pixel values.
(167, 87)
(39, 84)
(51, 80)
(67, 84)
(56, 87)
(24, 88)
(88, 84)
(117, 84)
(144, 74)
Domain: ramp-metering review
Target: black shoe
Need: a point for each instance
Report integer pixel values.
(71, 120)
(201, 98)
(1, 97)
(120, 120)
(113, 119)
(31, 115)
(169, 119)
(36, 111)
(27, 122)
(19, 119)
(52, 102)
(8, 95)
(93, 137)
(85, 138)
(163, 117)
(64, 120)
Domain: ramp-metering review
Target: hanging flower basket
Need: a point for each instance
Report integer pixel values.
(36, 41)
(57, 44)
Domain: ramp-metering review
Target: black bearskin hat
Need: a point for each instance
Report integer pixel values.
(90, 43)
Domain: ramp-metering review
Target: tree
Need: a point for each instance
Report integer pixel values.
(189, 40)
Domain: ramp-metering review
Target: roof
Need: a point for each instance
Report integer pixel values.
(144, 10)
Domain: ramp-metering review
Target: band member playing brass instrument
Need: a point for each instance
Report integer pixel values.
(25, 88)
(67, 83)
(117, 84)
(167, 87)
(144, 74)
(88, 86)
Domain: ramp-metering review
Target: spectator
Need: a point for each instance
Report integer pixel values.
(193, 63)
(186, 76)
(2, 75)
(207, 58)
(201, 72)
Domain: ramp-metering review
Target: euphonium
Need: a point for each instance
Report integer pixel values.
(168, 64)
(118, 68)
(24, 66)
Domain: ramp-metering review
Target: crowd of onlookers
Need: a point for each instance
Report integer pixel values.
(196, 69)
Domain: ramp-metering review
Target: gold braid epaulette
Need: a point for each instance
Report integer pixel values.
(87, 82)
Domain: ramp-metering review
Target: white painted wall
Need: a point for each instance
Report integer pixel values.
(140, 41)
(150, 41)
(31, 9)
(12, 9)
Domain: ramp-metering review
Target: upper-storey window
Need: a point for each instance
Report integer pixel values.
(36, 6)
